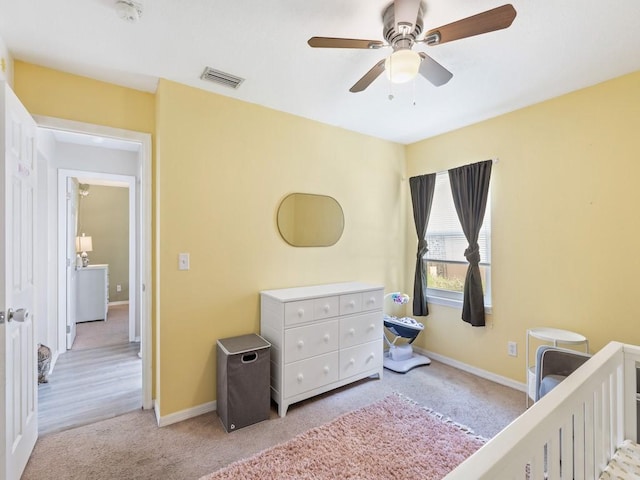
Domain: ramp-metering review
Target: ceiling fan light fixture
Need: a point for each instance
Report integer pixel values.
(402, 65)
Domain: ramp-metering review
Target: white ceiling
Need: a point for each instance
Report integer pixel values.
(552, 47)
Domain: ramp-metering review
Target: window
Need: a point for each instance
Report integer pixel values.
(445, 264)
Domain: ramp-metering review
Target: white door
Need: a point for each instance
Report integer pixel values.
(72, 281)
(18, 361)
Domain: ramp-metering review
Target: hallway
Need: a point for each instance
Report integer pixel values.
(99, 378)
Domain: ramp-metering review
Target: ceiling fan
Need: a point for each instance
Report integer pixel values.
(402, 21)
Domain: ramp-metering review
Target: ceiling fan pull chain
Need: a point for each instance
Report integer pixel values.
(413, 91)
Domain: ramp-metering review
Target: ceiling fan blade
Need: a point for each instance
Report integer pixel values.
(489, 21)
(328, 42)
(433, 71)
(368, 77)
(405, 14)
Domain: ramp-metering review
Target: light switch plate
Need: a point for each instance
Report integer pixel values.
(183, 261)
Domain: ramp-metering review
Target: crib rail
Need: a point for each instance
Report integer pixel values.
(573, 431)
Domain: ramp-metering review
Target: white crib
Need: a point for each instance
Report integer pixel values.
(572, 432)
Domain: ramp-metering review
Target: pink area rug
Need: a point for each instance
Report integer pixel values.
(393, 438)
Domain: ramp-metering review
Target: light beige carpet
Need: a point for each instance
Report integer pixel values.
(132, 447)
(392, 438)
(101, 333)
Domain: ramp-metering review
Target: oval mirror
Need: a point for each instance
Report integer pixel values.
(308, 220)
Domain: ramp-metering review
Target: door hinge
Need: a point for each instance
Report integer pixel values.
(68, 328)
(1, 318)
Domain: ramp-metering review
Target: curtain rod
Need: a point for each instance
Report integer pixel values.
(493, 160)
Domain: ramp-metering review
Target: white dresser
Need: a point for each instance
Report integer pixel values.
(322, 337)
(93, 293)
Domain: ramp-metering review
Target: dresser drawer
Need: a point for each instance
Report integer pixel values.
(362, 328)
(351, 303)
(310, 340)
(326, 307)
(311, 373)
(360, 358)
(372, 300)
(298, 312)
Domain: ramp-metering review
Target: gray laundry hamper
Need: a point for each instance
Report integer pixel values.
(243, 381)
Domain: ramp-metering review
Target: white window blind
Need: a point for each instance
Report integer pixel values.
(445, 263)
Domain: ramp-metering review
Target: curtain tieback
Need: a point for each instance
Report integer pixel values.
(422, 249)
(472, 254)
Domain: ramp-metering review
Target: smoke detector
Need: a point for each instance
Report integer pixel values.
(128, 10)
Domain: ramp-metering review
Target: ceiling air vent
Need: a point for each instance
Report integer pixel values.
(216, 76)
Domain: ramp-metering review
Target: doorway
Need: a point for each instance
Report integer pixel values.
(132, 173)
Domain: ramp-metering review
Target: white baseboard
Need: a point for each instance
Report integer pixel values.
(211, 406)
(121, 302)
(183, 414)
(156, 410)
(508, 382)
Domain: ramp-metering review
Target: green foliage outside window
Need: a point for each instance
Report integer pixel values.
(454, 284)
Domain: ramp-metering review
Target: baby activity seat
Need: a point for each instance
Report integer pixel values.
(399, 356)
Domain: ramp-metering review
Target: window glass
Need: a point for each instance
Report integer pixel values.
(445, 263)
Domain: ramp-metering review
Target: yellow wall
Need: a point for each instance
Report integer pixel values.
(564, 188)
(223, 168)
(566, 223)
(48, 92)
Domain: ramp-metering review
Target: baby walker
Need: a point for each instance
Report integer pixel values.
(400, 358)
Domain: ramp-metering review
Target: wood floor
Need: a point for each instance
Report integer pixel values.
(91, 384)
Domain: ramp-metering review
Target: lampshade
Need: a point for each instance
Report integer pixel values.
(84, 244)
(402, 65)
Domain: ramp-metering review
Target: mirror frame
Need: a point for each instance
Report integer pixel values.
(322, 242)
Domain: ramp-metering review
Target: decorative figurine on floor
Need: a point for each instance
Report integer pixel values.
(44, 363)
(401, 358)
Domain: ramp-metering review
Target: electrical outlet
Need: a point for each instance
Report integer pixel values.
(512, 349)
(118, 288)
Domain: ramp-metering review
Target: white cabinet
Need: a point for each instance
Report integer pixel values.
(93, 293)
(322, 337)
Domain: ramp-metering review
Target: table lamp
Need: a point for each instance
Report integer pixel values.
(84, 245)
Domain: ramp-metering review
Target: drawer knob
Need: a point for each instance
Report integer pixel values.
(326, 369)
(327, 308)
(300, 378)
(352, 331)
(372, 326)
(371, 356)
(352, 361)
(372, 300)
(326, 338)
(352, 303)
(301, 312)
(300, 343)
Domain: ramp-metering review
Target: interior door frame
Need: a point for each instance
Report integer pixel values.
(130, 181)
(70, 212)
(143, 221)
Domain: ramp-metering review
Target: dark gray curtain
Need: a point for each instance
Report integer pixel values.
(470, 190)
(422, 188)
